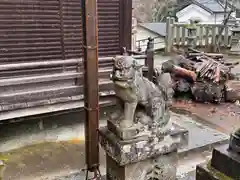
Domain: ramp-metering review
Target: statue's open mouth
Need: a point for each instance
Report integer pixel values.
(121, 79)
(114, 78)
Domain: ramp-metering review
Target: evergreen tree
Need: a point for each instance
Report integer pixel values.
(162, 9)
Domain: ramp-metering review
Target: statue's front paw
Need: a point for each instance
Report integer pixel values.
(124, 123)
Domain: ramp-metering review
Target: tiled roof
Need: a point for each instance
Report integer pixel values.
(158, 28)
(213, 6)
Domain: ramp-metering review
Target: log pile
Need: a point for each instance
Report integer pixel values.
(204, 75)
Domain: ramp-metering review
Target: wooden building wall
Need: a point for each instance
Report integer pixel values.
(41, 51)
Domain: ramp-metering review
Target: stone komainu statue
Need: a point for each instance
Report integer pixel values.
(133, 91)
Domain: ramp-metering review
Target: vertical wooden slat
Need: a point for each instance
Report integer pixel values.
(173, 29)
(183, 39)
(177, 29)
(220, 36)
(226, 34)
(207, 36)
(61, 28)
(213, 43)
(230, 41)
(200, 35)
(197, 37)
(172, 37)
(168, 36)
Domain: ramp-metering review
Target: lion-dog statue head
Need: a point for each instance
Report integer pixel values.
(125, 70)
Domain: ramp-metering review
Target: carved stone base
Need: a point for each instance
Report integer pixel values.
(162, 167)
(140, 148)
(137, 158)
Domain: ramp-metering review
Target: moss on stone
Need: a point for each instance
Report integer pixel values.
(191, 26)
(217, 173)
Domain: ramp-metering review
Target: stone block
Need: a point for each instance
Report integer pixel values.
(226, 161)
(234, 144)
(204, 173)
(232, 90)
(131, 151)
(156, 168)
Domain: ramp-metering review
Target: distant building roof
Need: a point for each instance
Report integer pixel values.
(158, 28)
(212, 6)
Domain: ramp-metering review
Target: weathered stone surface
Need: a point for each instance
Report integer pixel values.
(205, 91)
(226, 161)
(225, 164)
(160, 168)
(124, 133)
(139, 135)
(204, 173)
(74, 176)
(232, 90)
(141, 148)
(235, 46)
(143, 105)
(234, 144)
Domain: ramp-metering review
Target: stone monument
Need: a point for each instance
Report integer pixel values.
(192, 33)
(225, 162)
(140, 141)
(234, 144)
(235, 45)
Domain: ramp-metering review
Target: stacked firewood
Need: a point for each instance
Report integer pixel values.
(212, 70)
(205, 74)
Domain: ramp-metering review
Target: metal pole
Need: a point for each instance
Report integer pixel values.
(91, 98)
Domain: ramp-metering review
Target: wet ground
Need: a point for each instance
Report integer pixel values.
(223, 117)
(44, 148)
(50, 148)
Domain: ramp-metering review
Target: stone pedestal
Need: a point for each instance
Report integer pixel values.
(235, 45)
(192, 33)
(142, 157)
(232, 90)
(161, 168)
(225, 164)
(234, 144)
